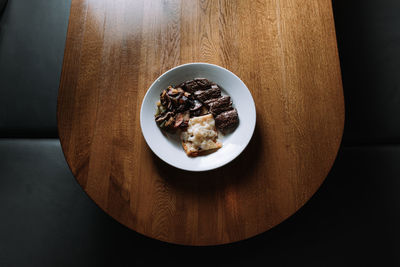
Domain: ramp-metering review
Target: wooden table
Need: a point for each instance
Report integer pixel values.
(284, 50)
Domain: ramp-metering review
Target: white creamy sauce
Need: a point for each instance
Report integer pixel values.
(201, 134)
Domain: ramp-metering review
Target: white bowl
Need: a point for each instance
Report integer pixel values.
(168, 148)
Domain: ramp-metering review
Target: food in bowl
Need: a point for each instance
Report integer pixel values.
(201, 136)
(197, 111)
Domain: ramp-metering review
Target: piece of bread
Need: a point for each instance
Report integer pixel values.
(191, 152)
(201, 136)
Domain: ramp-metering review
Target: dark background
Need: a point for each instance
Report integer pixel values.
(47, 220)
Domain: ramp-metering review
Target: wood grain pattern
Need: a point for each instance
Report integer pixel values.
(284, 50)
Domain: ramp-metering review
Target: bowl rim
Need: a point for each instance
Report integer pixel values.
(216, 166)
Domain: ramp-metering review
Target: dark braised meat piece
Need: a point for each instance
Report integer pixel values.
(227, 119)
(191, 86)
(221, 104)
(195, 85)
(204, 95)
(208, 102)
(217, 110)
(223, 100)
(203, 83)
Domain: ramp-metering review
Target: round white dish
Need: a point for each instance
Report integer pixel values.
(168, 148)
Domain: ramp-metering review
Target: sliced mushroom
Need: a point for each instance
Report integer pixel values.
(164, 99)
(186, 118)
(162, 117)
(178, 120)
(170, 122)
(176, 99)
(181, 108)
(203, 111)
(161, 125)
(163, 93)
(172, 91)
(183, 100)
(190, 102)
(184, 103)
(169, 103)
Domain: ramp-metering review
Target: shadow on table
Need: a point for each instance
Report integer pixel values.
(347, 222)
(239, 171)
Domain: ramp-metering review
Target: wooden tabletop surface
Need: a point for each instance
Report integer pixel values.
(284, 50)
